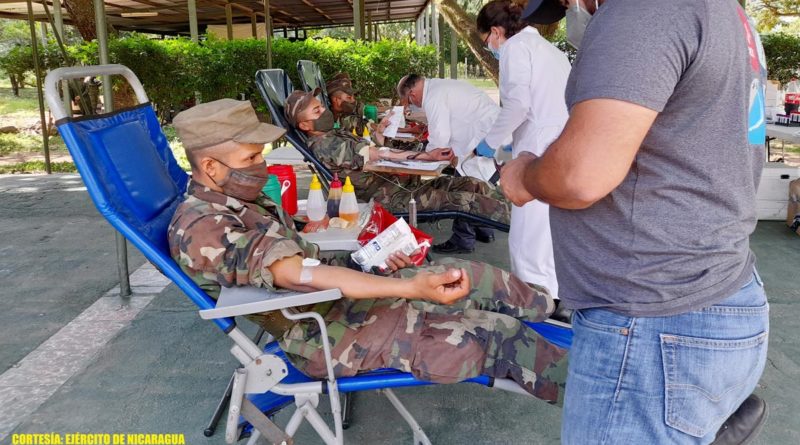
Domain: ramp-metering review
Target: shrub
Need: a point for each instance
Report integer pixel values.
(783, 56)
(172, 70)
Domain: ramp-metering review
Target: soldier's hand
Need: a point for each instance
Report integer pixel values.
(398, 260)
(512, 179)
(445, 288)
(439, 154)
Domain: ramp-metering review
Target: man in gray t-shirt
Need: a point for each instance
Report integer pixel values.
(652, 189)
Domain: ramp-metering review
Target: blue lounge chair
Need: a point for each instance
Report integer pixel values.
(311, 78)
(136, 185)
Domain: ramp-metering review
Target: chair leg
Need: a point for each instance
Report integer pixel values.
(420, 438)
(347, 409)
(223, 403)
(226, 397)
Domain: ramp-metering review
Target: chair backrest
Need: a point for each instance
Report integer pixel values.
(129, 171)
(311, 77)
(275, 86)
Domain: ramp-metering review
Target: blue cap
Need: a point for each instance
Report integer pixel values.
(543, 12)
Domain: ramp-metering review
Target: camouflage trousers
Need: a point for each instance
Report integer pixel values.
(462, 194)
(482, 334)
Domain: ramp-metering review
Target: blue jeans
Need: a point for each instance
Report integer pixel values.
(659, 380)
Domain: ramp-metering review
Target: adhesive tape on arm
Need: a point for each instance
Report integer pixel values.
(306, 272)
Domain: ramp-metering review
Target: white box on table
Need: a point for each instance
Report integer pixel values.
(772, 198)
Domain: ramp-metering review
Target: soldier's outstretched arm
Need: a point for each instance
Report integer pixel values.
(445, 288)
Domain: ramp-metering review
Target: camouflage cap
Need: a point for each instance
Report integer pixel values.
(296, 103)
(223, 120)
(342, 83)
(341, 76)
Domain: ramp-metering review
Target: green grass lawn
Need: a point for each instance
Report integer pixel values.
(26, 103)
(28, 143)
(24, 108)
(482, 83)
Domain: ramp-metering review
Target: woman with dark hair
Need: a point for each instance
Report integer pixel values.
(533, 77)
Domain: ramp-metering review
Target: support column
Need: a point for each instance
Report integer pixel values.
(229, 20)
(358, 19)
(44, 33)
(438, 38)
(192, 6)
(37, 71)
(453, 54)
(58, 19)
(108, 105)
(253, 27)
(369, 25)
(58, 29)
(268, 32)
(431, 20)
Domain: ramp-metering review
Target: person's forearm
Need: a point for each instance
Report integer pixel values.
(358, 285)
(289, 273)
(394, 154)
(548, 182)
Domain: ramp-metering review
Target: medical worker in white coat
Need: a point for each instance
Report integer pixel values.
(533, 77)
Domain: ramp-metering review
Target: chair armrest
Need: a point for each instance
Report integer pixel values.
(243, 300)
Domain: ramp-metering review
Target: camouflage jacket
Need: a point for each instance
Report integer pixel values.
(339, 151)
(354, 121)
(221, 241)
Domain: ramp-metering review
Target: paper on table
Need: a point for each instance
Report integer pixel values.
(412, 165)
(397, 120)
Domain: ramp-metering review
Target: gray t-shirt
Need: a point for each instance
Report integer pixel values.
(674, 235)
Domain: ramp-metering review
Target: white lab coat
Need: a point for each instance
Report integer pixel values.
(459, 116)
(533, 77)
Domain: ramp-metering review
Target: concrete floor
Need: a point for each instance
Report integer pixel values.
(165, 369)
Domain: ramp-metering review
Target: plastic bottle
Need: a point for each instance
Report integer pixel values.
(348, 207)
(273, 189)
(334, 196)
(315, 206)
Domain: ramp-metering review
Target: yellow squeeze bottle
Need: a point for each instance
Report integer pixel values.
(348, 207)
(316, 207)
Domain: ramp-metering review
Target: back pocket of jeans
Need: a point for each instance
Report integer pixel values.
(704, 378)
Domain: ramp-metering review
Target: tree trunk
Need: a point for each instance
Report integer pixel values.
(14, 84)
(82, 14)
(464, 25)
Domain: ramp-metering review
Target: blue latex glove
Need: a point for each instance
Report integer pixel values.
(508, 148)
(483, 149)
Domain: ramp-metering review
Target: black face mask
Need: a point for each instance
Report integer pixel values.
(324, 123)
(348, 107)
(244, 183)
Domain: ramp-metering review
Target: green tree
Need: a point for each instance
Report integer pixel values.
(783, 56)
(775, 14)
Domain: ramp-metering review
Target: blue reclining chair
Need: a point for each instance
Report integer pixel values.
(275, 86)
(136, 184)
(311, 78)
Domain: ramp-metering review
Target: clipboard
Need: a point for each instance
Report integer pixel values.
(399, 169)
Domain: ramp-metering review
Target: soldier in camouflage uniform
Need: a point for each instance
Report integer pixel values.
(445, 323)
(348, 112)
(346, 154)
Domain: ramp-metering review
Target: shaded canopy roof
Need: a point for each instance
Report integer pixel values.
(173, 15)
